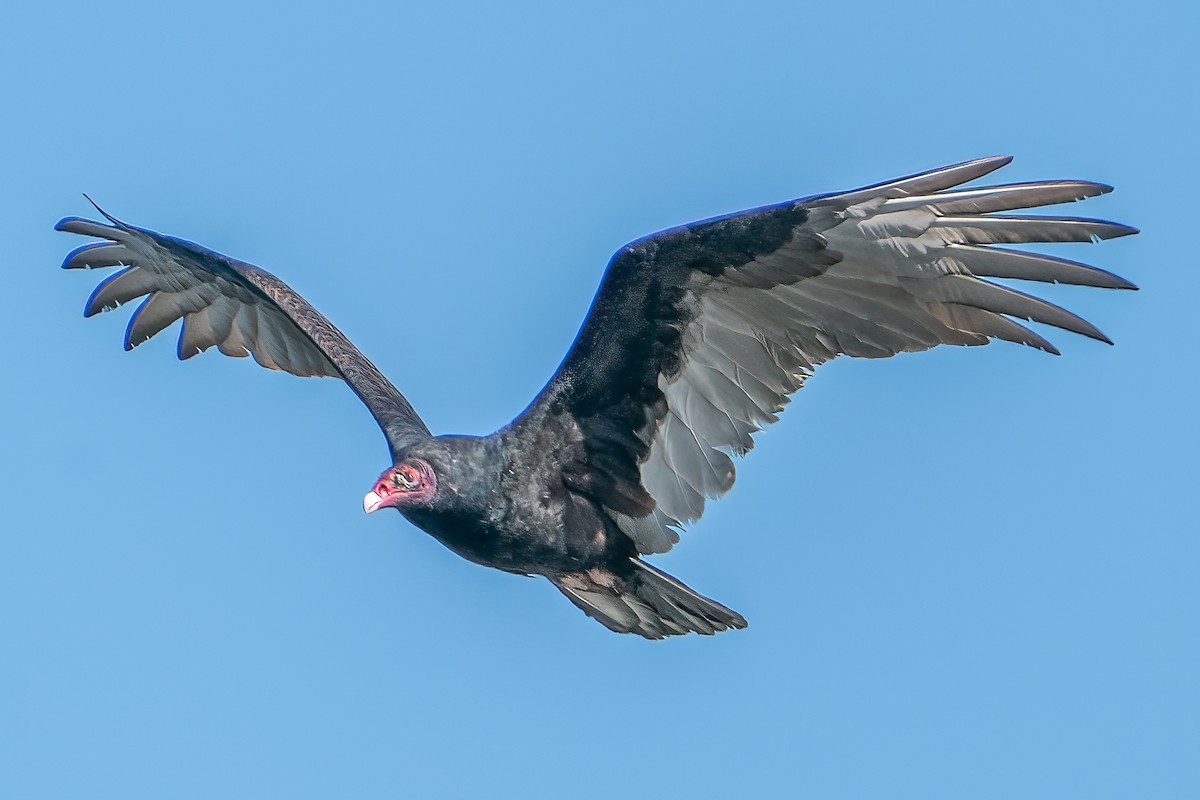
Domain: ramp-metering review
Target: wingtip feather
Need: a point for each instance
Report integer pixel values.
(1116, 230)
(87, 227)
(77, 258)
(128, 342)
(93, 306)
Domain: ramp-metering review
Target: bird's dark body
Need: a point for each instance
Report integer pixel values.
(502, 503)
(697, 337)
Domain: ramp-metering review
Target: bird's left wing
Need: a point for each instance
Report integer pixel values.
(699, 334)
(239, 308)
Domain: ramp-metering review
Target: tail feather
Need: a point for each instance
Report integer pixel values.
(645, 601)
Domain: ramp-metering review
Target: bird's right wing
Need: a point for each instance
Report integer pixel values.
(240, 309)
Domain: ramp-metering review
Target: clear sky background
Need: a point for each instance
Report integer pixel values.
(970, 573)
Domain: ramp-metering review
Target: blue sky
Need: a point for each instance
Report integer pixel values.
(968, 573)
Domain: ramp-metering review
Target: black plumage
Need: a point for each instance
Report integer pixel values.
(696, 339)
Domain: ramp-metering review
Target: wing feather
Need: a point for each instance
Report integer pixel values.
(118, 289)
(1012, 196)
(924, 182)
(1022, 230)
(998, 262)
(97, 254)
(1002, 300)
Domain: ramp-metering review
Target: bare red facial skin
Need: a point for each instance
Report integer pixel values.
(404, 484)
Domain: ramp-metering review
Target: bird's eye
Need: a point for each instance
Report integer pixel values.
(408, 477)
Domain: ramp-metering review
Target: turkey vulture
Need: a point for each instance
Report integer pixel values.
(696, 339)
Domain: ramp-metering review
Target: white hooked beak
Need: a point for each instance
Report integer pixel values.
(373, 500)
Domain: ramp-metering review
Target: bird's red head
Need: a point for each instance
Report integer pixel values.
(408, 483)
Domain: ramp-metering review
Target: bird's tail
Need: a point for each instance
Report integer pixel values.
(645, 601)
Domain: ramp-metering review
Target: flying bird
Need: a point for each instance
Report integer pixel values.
(696, 339)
